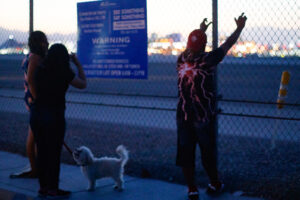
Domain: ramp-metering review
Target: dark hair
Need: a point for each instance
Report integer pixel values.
(34, 42)
(57, 58)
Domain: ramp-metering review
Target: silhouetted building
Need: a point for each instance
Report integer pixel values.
(176, 37)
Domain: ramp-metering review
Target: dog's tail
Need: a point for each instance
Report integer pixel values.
(123, 153)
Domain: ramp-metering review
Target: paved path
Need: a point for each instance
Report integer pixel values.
(72, 179)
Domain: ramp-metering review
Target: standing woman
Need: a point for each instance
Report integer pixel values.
(38, 45)
(47, 117)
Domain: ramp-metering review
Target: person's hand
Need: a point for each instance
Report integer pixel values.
(203, 25)
(241, 21)
(74, 58)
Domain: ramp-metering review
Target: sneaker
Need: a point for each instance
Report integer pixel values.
(193, 194)
(24, 174)
(58, 194)
(215, 189)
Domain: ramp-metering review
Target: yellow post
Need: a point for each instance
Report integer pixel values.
(285, 79)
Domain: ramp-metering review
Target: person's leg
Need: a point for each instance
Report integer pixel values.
(31, 151)
(189, 175)
(38, 130)
(41, 142)
(208, 146)
(56, 134)
(186, 144)
(207, 139)
(55, 142)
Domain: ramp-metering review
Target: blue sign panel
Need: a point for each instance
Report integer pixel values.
(112, 38)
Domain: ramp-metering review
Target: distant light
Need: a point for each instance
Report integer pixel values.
(11, 37)
(174, 52)
(291, 45)
(3, 51)
(25, 51)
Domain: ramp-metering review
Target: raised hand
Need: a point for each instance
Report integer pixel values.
(203, 25)
(74, 58)
(241, 21)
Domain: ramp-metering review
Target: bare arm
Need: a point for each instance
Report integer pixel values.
(231, 40)
(80, 80)
(34, 62)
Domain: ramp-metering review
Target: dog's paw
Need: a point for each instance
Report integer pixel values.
(117, 188)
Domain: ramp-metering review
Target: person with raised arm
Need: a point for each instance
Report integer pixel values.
(47, 117)
(196, 109)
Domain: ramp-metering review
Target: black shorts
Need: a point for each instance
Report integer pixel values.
(191, 133)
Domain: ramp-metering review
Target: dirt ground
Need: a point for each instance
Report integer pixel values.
(246, 164)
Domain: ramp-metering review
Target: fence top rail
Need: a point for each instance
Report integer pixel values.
(166, 109)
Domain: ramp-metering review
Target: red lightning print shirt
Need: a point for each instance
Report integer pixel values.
(196, 85)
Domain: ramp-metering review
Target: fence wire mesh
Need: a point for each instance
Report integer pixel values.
(249, 81)
(141, 113)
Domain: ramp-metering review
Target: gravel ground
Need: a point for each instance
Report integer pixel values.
(246, 163)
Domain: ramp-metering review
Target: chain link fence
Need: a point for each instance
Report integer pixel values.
(249, 81)
(257, 142)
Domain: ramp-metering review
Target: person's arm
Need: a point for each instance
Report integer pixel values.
(34, 62)
(231, 40)
(80, 80)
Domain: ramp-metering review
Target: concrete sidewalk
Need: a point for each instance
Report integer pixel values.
(72, 179)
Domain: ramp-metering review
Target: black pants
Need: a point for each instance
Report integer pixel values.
(48, 127)
(191, 133)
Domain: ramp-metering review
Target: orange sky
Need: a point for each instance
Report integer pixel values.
(164, 16)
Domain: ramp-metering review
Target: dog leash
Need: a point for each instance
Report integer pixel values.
(68, 148)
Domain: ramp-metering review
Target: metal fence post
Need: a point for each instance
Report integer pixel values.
(215, 45)
(215, 24)
(30, 16)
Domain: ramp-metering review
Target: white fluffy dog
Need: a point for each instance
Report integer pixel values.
(96, 168)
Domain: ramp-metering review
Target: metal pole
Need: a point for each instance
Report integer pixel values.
(215, 45)
(30, 16)
(215, 23)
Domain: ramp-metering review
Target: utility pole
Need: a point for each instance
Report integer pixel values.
(30, 16)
